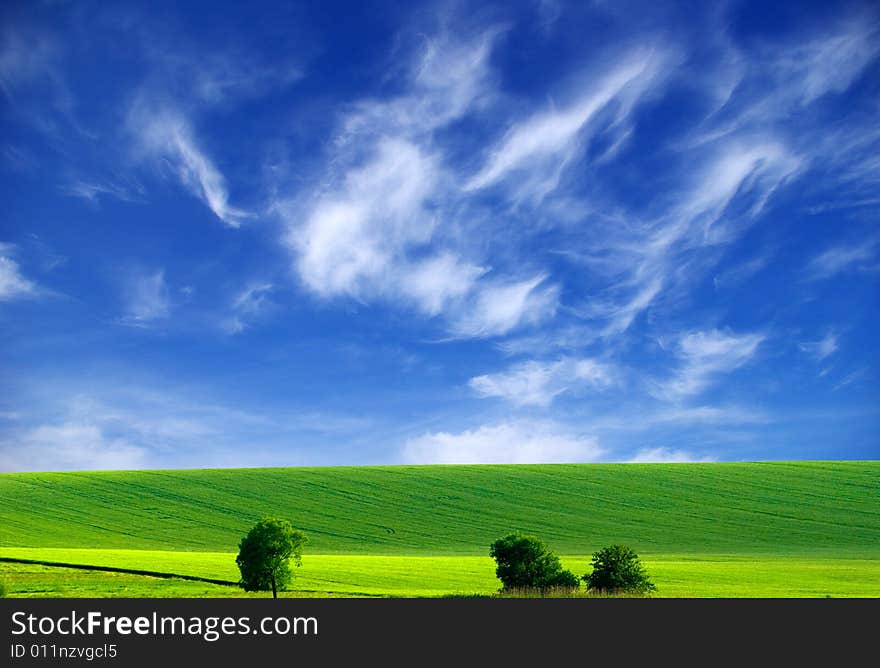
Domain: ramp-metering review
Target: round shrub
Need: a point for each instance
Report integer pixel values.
(617, 570)
(524, 562)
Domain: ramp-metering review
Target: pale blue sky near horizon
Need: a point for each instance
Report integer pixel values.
(283, 234)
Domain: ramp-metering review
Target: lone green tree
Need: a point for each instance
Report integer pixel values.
(264, 555)
(524, 562)
(616, 570)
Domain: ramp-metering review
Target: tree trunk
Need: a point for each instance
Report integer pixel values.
(274, 593)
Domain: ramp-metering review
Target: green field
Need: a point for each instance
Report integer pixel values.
(361, 575)
(768, 529)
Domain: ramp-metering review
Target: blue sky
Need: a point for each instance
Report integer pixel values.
(315, 233)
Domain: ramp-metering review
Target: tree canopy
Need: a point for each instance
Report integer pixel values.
(617, 569)
(264, 555)
(524, 562)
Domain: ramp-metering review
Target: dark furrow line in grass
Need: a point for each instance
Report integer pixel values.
(114, 569)
(127, 571)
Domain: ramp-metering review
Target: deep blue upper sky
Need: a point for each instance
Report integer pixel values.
(318, 233)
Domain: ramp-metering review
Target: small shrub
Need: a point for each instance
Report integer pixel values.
(617, 570)
(565, 580)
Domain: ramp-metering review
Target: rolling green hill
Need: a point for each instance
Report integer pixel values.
(817, 508)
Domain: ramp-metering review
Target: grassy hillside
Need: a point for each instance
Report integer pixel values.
(813, 508)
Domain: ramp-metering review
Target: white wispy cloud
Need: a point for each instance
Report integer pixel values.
(857, 258)
(636, 417)
(224, 76)
(750, 170)
(535, 383)
(437, 282)
(620, 316)
(702, 415)
(131, 420)
(13, 285)
(640, 259)
(253, 298)
(120, 426)
(164, 134)
(703, 356)
(850, 378)
(666, 456)
(786, 84)
(742, 272)
(249, 304)
(218, 73)
(93, 190)
(776, 80)
(832, 62)
(447, 78)
(382, 227)
(824, 347)
(354, 237)
(721, 183)
(369, 240)
(69, 446)
(499, 307)
(146, 298)
(516, 442)
(755, 141)
(549, 341)
(538, 147)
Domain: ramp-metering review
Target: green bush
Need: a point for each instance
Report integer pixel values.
(617, 570)
(524, 562)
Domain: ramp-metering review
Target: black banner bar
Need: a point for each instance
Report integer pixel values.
(150, 632)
